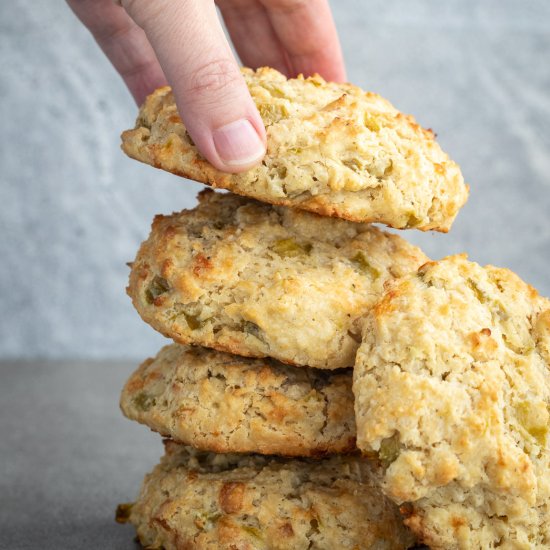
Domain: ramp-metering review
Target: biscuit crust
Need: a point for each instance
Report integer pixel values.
(223, 403)
(331, 148)
(264, 281)
(199, 501)
(452, 389)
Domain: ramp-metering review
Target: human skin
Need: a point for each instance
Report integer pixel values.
(153, 43)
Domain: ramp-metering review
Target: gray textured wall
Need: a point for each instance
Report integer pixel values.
(74, 209)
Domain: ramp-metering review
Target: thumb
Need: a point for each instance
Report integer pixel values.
(212, 97)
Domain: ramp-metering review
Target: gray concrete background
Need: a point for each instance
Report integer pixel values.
(74, 209)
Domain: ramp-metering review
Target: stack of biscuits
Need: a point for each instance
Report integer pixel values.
(330, 387)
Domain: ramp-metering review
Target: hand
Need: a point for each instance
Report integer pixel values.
(181, 42)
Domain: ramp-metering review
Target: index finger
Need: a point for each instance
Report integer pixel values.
(306, 30)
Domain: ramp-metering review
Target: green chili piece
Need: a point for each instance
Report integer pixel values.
(360, 260)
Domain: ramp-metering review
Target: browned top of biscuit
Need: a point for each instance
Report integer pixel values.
(219, 402)
(205, 501)
(265, 281)
(452, 388)
(331, 148)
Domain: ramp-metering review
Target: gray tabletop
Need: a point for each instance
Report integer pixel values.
(68, 456)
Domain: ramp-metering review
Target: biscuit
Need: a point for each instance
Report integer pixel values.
(264, 281)
(197, 501)
(223, 403)
(331, 148)
(452, 390)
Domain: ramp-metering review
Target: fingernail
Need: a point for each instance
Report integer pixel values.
(238, 144)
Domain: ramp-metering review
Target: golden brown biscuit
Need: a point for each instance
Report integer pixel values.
(225, 403)
(331, 148)
(452, 389)
(263, 281)
(200, 501)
